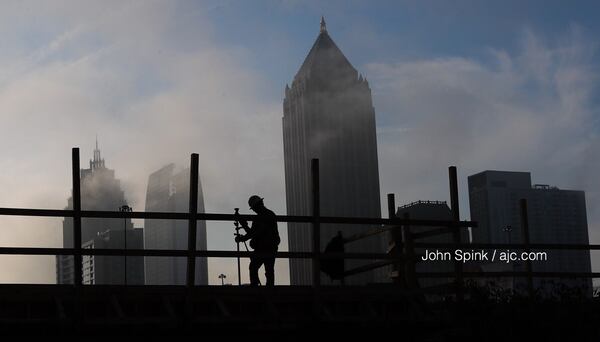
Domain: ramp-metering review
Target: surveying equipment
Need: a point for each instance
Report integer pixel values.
(236, 234)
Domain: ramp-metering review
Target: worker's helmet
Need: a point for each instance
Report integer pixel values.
(255, 201)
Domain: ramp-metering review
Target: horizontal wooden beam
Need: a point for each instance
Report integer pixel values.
(510, 274)
(229, 217)
(468, 246)
(184, 253)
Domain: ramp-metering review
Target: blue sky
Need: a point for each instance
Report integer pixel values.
(506, 85)
(398, 29)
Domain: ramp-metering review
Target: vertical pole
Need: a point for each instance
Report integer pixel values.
(316, 231)
(77, 265)
(453, 179)
(396, 238)
(192, 223)
(391, 206)
(125, 209)
(125, 243)
(454, 193)
(525, 239)
(410, 263)
(395, 232)
(237, 245)
(239, 266)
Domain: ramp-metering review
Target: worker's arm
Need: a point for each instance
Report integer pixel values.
(251, 232)
(242, 238)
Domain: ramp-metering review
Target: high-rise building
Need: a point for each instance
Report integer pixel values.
(328, 114)
(554, 216)
(431, 210)
(100, 190)
(113, 269)
(168, 191)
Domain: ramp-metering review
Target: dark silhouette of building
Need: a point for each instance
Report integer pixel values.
(100, 190)
(431, 210)
(328, 114)
(555, 216)
(169, 192)
(111, 270)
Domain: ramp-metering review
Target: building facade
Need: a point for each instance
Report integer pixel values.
(554, 215)
(328, 114)
(431, 210)
(168, 191)
(100, 190)
(113, 269)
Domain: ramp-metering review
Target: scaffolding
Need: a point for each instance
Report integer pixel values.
(401, 255)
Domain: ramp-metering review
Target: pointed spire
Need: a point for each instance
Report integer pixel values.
(323, 25)
(97, 151)
(97, 162)
(323, 58)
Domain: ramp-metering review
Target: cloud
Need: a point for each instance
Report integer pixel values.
(152, 81)
(155, 87)
(529, 110)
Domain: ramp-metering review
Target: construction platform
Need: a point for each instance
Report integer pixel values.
(99, 309)
(288, 311)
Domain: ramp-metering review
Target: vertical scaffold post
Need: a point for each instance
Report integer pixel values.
(316, 224)
(396, 238)
(456, 230)
(391, 206)
(77, 264)
(410, 262)
(192, 222)
(395, 232)
(525, 239)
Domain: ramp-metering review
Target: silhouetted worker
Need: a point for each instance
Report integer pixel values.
(264, 238)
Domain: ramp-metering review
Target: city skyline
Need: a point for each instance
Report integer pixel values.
(101, 190)
(554, 216)
(182, 78)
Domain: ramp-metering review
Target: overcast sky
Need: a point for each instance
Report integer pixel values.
(504, 85)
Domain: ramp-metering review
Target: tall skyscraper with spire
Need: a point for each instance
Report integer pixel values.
(328, 114)
(100, 190)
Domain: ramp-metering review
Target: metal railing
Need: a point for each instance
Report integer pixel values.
(400, 228)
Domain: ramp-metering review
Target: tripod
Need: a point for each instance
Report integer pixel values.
(236, 234)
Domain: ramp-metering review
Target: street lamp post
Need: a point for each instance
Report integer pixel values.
(222, 277)
(123, 209)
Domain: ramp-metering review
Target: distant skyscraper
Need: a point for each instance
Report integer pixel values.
(111, 270)
(100, 190)
(555, 216)
(169, 192)
(431, 210)
(328, 114)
